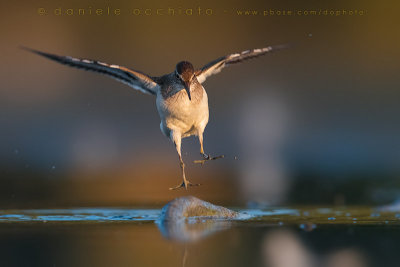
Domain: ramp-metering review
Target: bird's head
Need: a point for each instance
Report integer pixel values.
(184, 71)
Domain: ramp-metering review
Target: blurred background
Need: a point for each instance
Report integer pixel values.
(317, 123)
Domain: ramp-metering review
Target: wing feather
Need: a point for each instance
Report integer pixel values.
(217, 65)
(132, 78)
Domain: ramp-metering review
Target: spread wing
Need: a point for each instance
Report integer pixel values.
(132, 78)
(217, 65)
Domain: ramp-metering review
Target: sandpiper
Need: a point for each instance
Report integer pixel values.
(181, 100)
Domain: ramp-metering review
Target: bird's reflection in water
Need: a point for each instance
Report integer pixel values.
(191, 230)
(188, 219)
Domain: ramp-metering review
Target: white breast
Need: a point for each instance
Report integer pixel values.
(178, 113)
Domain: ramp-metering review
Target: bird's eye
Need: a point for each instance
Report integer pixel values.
(177, 75)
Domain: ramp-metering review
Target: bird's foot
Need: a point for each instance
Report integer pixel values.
(185, 184)
(207, 157)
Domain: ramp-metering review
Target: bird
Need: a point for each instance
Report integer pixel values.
(181, 99)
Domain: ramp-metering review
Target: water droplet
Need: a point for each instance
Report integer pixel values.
(53, 167)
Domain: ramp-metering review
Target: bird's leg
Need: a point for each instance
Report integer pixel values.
(206, 157)
(185, 183)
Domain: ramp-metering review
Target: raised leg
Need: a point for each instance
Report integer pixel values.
(206, 157)
(176, 138)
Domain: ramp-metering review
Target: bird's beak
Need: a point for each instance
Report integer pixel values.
(187, 88)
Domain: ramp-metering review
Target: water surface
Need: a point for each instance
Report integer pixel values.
(307, 236)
